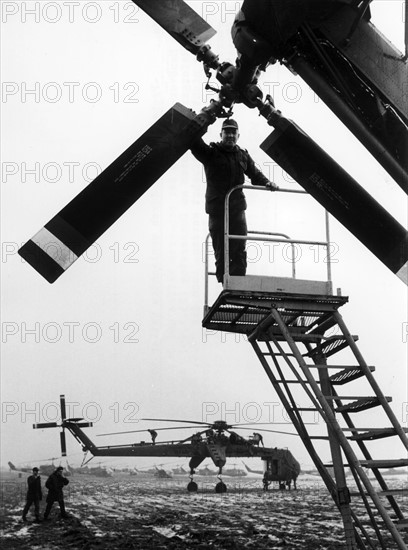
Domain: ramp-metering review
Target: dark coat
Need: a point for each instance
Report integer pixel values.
(34, 488)
(55, 484)
(224, 170)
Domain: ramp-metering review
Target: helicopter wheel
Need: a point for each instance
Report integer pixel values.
(220, 487)
(192, 487)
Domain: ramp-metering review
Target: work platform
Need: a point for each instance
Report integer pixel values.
(245, 302)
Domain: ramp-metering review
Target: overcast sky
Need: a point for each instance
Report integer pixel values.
(120, 333)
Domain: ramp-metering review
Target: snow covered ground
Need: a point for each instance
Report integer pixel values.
(148, 513)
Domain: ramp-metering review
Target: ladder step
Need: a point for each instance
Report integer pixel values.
(370, 435)
(355, 429)
(388, 493)
(348, 375)
(394, 492)
(361, 405)
(331, 345)
(293, 382)
(346, 397)
(385, 463)
(401, 524)
(345, 367)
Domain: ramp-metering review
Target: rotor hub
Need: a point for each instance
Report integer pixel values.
(220, 426)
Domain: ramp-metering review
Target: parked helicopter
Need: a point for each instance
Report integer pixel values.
(211, 442)
(44, 469)
(234, 472)
(206, 471)
(179, 471)
(161, 473)
(97, 471)
(23, 469)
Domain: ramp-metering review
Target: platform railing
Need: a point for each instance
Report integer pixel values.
(263, 236)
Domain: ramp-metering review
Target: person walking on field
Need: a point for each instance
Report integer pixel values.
(34, 495)
(55, 483)
(226, 166)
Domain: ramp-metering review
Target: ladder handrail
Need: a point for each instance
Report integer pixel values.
(228, 236)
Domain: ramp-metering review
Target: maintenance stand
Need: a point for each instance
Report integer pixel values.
(295, 327)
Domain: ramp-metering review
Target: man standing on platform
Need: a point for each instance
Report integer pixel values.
(226, 165)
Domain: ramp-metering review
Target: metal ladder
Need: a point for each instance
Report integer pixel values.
(306, 383)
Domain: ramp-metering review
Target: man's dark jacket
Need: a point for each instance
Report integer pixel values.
(54, 484)
(224, 170)
(34, 487)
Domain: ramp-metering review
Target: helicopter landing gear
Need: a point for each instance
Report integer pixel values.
(220, 487)
(192, 487)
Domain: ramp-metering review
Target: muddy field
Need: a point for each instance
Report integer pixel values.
(146, 513)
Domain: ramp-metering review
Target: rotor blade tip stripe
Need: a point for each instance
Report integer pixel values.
(55, 248)
(40, 261)
(48, 254)
(403, 273)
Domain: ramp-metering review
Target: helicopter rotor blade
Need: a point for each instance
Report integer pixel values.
(255, 424)
(42, 425)
(181, 421)
(63, 408)
(63, 443)
(77, 226)
(84, 424)
(45, 459)
(140, 431)
(180, 21)
(272, 431)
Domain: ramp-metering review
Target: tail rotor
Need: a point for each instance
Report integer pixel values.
(65, 423)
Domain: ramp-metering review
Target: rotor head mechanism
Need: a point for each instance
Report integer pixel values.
(249, 44)
(220, 426)
(254, 55)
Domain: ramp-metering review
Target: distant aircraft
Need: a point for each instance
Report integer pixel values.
(14, 469)
(161, 474)
(179, 471)
(45, 469)
(96, 471)
(206, 471)
(235, 472)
